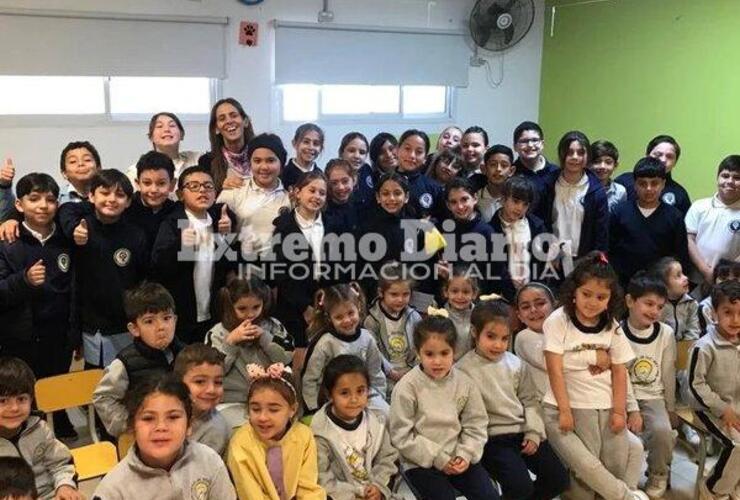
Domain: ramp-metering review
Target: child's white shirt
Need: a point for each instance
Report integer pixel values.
(487, 204)
(203, 266)
(568, 211)
(585, 391)
(716, 227)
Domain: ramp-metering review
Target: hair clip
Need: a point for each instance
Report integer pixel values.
(603, 259)
(433, 311)
(490, 296)
(275, 371)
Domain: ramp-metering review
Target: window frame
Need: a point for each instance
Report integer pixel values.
(106, 118)
(374, 118)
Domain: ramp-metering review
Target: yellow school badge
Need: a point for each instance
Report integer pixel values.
(200, 489)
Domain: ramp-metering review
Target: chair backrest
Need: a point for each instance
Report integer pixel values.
(683, 349)
(94, 460)
(69, 390)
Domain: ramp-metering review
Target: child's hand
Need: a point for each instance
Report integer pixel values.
(634, 421)
(36, 274)
(372, 492)
(253, 332)
(9, 230)
(529, 447)
(224, 223)
(617, 422)
(443, 269)
(730, 419)
(189, 237)
(81, 233)
(565, 420)
(395, 375)
(232, 182)
(7, 173)
(459, 465)
(66, 492)
(239, 334)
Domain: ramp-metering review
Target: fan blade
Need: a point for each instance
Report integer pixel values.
(510, 5)
(509, 34)
(483, 35)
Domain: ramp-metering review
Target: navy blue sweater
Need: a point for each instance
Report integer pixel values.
(426, 195)
(636, 241)
(537, 179)
(673, 193)
(291, 172)
(35, 312)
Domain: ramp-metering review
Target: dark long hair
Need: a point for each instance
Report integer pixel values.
(218, 165)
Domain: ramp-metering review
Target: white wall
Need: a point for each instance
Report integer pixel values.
(497, 110)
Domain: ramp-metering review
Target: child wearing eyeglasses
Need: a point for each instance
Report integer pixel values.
(192, 255)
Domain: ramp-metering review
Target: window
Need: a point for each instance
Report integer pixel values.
(111, 98)
(305, 102)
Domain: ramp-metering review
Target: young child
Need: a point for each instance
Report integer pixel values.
(473, 147)
(28, 436)
(111, 256)
(341, 206)
(585, 409)
(444, 166)
(681, 311)
(155, 181)
(713, 224)
(36, 281)
(356, 459)
(190, 256)
(460, 290)
(308, 143)
(714, 365)
(516, 434)
(604, 160)
(449, 138)
(273, 457)
(438, 420)
(201, 369)
(724, 270)
(529, 142)
(574, 205)
(498, 165)
(520, 230)
(353, 149)
(383, 159)
(652, 373)
(426, 194)
(163, 462)
(392, 320)
(150, 310)
(336, 329)
(667, 150)
(247, 334)
(644, 229)
(16, 480)
(78, 162)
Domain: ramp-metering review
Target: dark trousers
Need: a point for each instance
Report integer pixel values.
(433, 484)
(503, 459)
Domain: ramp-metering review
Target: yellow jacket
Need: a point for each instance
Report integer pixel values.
(247, 462)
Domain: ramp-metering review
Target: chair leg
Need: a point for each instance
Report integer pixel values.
(91, 424)
(701, 459)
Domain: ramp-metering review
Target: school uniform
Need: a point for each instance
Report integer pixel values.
(432, 422)
(714, 382)
(471, 244)
(707, 315)
(537, 178)
(193, 275)
(673, 193)
(36, 319)
(147, 218)
(328, 346)
(488, 204)
(615, 194)
(354, 455)
(394, 336)
(512, 404)
(682, 315)
(184, 160)
(364, 194)
(69, 194)
(211, 429)
(595, 455)
(519, 237)
(653, 377)
(115, 259)
(198, 472)
(135, 364)
(577, 213)
(426, 196)
(49, 459)
(275, 345)
(300, 259)
(716, 227)
(345, 217)
(7, 202)
(639, 237)
(291, 172)
(461, 319)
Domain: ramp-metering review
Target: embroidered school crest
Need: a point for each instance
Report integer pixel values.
(63, 262)
(669, 198)
(38, 454)
(122, 257)
(200, 489)
(397, 346)
(644, 371)
(734, 226)
(369, 181)
(425, 200)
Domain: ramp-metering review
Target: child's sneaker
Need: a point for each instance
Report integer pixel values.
(639, 495)
(691, 436)
(656, 486)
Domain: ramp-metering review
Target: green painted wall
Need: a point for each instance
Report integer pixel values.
(627, 70)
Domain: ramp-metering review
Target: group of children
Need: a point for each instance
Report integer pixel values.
(470, 370)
